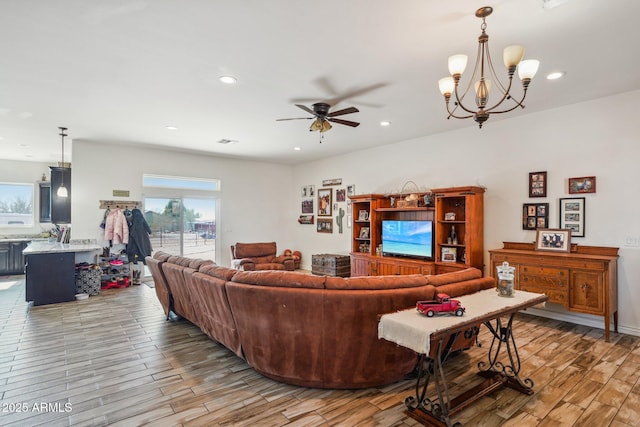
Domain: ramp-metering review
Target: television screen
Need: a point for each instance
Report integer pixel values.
(407, 238)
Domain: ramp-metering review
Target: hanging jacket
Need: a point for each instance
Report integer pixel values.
(139, 231)
(116, 228)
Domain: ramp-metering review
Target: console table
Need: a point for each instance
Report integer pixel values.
(430, 337)
(584, 280)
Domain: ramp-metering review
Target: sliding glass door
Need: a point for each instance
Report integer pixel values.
(182, 226)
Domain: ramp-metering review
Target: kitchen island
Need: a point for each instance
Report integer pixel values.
(50, 270)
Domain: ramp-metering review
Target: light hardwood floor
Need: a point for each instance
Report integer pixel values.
(114, 360)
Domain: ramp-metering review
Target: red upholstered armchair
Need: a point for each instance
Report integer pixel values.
(259, 256)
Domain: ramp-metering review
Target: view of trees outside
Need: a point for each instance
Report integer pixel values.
(189, 220)
(16, 204)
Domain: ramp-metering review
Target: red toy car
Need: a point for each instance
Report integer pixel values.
(442, 304)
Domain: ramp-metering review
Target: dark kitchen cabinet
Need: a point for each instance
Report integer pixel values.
(11, 258)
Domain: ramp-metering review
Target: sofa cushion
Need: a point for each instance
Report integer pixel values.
(199, 262)
(467, 287)
(218, 271)
(285, 279)
(455, 276)
(179, 260)
(161, 256)
(255, 250)
(376, 282)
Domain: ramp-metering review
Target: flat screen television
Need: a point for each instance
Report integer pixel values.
(410, 238)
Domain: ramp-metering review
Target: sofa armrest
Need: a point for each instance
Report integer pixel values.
(246, 264)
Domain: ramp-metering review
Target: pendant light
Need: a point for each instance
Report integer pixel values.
(62, 190)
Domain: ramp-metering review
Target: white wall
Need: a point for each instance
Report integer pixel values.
(252, 195)
(25, 172)
(598, 138)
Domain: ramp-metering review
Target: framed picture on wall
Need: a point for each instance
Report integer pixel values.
(325, 201)
(535, 216)
(307, 206)
(585, 184)
(324, 225)
(571, 215)
(538, 184)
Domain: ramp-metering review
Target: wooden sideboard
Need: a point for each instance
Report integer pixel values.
(583, 281)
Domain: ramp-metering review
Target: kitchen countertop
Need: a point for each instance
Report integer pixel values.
(46, 247)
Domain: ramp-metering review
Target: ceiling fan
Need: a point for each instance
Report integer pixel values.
(323, 117)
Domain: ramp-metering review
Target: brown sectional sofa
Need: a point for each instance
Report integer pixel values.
(301, 329)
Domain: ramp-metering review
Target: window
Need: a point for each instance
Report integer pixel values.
(16, 205)
(181, 212)
(180, 182)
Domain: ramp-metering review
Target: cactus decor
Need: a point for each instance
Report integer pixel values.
(339, 220)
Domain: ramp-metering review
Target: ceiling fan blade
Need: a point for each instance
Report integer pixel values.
(295, 118)
(345, 122)
(305, 108)
(343, 111)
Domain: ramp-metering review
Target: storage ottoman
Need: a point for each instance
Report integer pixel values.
(331, 265)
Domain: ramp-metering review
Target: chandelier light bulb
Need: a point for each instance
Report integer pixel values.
(457, 64)
(512, 55)
(528, 68)
(446, 85)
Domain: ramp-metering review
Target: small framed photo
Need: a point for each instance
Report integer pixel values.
(553, 239)
(325, 201)
(535, 216)
(364, 233)
(307, 206)
(449, 216)
(572, 215)
(538, 184)
(351, 190)
(363, 215)
(585, 184)
(449, 254)
(324, 225)
(341, 194)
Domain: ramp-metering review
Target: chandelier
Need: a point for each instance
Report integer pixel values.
(484, 77)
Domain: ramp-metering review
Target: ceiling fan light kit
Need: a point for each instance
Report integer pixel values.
(484, 78)
(322, 118)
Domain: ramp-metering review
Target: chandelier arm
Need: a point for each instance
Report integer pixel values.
(518, 104)
(451, 113)
(460, 104)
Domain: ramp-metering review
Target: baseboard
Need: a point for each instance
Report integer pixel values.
(582, 319)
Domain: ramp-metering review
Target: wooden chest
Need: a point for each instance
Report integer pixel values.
(331, 265)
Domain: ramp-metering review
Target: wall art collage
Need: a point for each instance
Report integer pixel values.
(327, 203)
(571, 212)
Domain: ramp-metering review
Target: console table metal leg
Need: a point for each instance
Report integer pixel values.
(422, 408)
(508, 370)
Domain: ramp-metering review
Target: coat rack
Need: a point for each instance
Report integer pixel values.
(120, 204)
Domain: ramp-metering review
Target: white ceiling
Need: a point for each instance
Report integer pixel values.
(120, 71)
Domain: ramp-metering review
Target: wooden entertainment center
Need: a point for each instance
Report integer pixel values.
(460, 208)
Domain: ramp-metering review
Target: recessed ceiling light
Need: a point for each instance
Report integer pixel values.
(297, 148)
(555, 75)
(229, 80)
(385, 123)
(172, 127)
